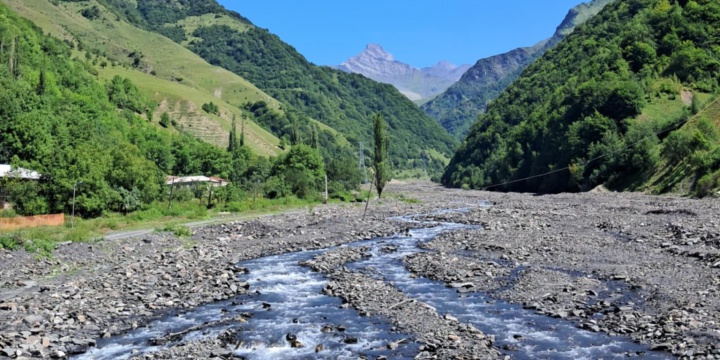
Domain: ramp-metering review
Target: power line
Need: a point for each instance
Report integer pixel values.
(591, 160)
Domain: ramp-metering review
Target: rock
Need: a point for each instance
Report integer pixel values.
(326, 329)
(661, 347)
(350, 340)
(466, 285)
(450, 317)
(296, 344)
(32, 320)
(319, 348)
(223, 353)
(453, 338)
(290, 337)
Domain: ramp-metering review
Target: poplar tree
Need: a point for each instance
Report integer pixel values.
(380, 157)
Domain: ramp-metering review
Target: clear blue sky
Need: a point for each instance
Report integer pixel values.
(417, 32)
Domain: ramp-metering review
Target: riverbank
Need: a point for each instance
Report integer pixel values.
(555, 254)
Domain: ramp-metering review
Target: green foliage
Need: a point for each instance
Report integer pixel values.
(57, 119)
(175, 228)
(301, 169)
(582, 105)
(165, 120)
(211, 108)
(341, 100)
(380, 155)
(91, 12)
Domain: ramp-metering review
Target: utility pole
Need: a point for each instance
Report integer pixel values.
(326, 190)
(363, 170)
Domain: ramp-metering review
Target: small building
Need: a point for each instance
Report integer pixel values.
(7, 172)
(191, 180)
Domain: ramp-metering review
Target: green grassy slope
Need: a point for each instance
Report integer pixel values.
(609, 105)
(342, 101)
(89, 139)
(201, 82)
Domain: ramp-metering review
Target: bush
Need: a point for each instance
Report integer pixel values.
(707, 184)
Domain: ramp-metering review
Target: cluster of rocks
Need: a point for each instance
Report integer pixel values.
(459, 272)
(624, 264)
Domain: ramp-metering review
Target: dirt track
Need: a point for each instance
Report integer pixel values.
(650, 265)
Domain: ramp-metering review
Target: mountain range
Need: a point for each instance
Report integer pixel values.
(417, 84)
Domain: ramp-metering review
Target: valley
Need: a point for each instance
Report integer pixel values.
(216, 194)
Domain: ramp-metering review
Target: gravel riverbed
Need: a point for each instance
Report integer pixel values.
(639, 266)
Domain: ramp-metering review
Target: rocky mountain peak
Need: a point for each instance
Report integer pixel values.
(417, 84)
(376, 51)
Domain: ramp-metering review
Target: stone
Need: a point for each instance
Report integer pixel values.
(290, 337)
(319, 348)
(223, 353)
(661, 347)
(451, 318)
(350, 340)
(31, 320)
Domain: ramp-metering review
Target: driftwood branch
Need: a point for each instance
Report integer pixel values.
(401, 303)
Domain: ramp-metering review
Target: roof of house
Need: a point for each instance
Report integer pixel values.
(216, 181)
(8, 171)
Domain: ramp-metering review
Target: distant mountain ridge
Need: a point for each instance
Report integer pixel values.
(459, 106)
(417, 84)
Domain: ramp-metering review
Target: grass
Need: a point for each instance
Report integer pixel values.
(679, 178)
(158, 216)
(183, 103)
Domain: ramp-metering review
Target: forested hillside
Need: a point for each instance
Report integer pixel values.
(56, 118)
(179, 81)
(343, 101)
(457, 108)
(599, 105)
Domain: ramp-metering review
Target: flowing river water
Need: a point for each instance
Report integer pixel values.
(286, 299)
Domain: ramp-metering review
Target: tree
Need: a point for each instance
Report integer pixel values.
(242, 132)
(233, 141)
(165, 120)
(313, 136)
(380, 157)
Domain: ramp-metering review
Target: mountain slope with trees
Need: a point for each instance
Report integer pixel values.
(459, 106)
(343, 101)
(604, 105)
(58, 119)
(178, 80)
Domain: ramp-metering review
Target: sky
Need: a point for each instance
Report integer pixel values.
(417, 32)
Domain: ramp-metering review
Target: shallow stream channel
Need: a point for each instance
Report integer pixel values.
(287, 298)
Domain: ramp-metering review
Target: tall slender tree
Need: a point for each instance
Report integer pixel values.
(242, 132)
(233, 141)
(314, 136)
(380, 157)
